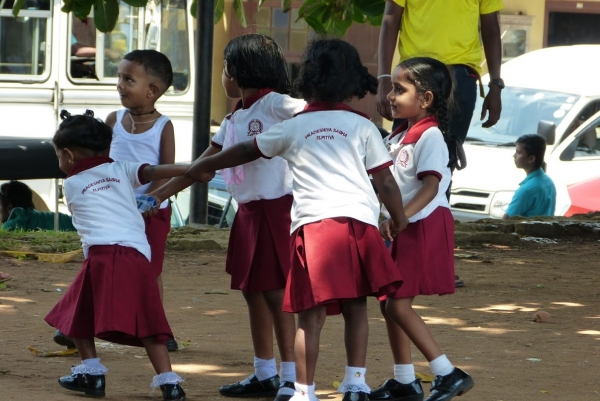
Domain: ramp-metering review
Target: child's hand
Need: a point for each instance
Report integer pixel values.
(386, 229)
(400, 226)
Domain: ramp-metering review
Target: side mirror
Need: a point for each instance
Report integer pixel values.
(547, 130)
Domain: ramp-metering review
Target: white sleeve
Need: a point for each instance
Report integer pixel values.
(431, 154)
(273, 142)
(133, 171)
(377, 156)
(284, 107)
(219, 137)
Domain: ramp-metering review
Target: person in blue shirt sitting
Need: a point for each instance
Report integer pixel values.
(536, 195)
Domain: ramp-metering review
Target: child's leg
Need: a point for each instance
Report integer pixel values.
(88, 376)
(261, 325)
(86, 347)
(165, 378)
(285, 332)
(306, 344)
(401, 312)
(356, 335)
(399, 341)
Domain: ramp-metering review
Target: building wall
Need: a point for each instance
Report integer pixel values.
(534, 8)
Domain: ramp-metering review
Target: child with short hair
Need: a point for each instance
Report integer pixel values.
(143, 134)
(424, 252)
(339, 257)
(115, 295)
(258, 255)
(536, 195)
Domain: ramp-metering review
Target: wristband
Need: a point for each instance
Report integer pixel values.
(384, 76)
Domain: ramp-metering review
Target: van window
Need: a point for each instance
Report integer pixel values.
(522, 110)
(586, 145)
(24, 41)
(161, 27)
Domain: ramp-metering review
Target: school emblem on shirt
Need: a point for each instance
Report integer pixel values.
(255, 127)
(403, 158)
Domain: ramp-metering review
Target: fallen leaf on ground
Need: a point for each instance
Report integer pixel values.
(425, 378)
(65, 352)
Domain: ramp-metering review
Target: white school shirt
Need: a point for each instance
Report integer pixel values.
(331, 154)
(418, 152)
(262, 178)
(100, 197)
(143, 147)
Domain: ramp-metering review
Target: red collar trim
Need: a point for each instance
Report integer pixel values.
(416, 131)
(250, 100)
(87, 163)
(324, 106)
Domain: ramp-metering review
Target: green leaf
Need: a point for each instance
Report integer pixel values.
(240, 13)
(136, 3)
(194, 8)
(82, 10)
(17, 7)
(316, 25)
(106, 13)
(375, 21)
(286, 5)
(219, 10)
(370, 8)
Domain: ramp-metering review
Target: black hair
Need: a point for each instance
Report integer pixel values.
(83, 131)
(257, 61)
(429, 74)
(155, 63)
(332, 72)
(16, 194)
(534, 145)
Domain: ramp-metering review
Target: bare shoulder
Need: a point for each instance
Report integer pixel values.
(111, 119)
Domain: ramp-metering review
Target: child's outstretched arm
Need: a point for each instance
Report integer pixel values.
(241, 153)
(389, 193)
(163, 171)
(178, 184)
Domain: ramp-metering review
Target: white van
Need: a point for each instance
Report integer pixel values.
(554, 92)
(50, 60)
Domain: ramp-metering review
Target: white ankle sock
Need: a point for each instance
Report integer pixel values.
(304, 392)
(441, 366)
(165, 378)
(405, 373)
(265, 368)
(90, 366)
(287, 373)
(354, 380)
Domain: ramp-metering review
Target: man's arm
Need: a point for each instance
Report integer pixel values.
(388, 38)
(492, 45)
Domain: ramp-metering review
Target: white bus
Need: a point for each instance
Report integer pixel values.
(50, 60)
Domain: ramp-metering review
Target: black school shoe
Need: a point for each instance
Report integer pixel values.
(172, 345)
(447, 387)
(393, 390)
(92, 385)
(359, 396)
(172, 392)
(256, 388)
(62, 339)
(285, 397)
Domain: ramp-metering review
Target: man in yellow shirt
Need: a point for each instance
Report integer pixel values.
(447, 30)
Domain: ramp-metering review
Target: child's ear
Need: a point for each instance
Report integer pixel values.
(426, 99)
(71, 155)
(154, 90)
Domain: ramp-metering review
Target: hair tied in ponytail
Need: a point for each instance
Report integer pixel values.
(64, 115)
(89, 113)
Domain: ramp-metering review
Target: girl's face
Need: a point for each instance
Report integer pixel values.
(65, 160)
(134, 87)
(232, 90)
(406, 102)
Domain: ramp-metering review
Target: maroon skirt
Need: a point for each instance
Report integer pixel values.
(335, 260)
(424, 254)
(258, 255)
(157, 231)
(114, 297)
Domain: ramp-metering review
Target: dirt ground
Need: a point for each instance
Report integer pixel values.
(486, 328)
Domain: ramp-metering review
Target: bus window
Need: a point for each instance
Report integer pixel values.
(23, 41)
(84, 36)
(173, 42)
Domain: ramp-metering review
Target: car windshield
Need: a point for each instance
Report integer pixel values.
(522, 109)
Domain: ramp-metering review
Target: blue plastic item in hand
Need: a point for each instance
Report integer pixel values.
(145, 203)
